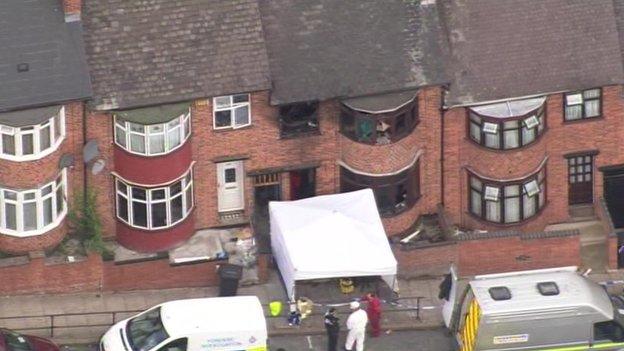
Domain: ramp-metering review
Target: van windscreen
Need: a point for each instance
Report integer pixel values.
(146, 330)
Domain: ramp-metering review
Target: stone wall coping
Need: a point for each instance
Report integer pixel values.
(516, 233)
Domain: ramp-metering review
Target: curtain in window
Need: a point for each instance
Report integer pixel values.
(492, 211)
(574, 112)
(592, 108)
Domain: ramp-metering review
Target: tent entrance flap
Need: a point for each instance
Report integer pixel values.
(330, 236)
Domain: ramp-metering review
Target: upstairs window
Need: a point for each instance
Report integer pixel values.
(232, 111)
(298, 119)
(508, 125)
(507, 202)
(379, 128)
(393, 193)
(34, 141)
(583, 104)
(152, 139)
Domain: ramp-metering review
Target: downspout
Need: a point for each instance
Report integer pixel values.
(84, 142)
(442, 111)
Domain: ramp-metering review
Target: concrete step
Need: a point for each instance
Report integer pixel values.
(581, 211)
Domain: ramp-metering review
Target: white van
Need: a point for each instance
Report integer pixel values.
(546, 309)
(207, 324)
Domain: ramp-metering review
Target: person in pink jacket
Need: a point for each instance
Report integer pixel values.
(373, 311)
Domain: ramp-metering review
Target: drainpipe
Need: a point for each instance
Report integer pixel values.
(442, 111)
(84, 142)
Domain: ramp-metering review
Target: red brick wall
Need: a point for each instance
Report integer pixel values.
(431, 260)
(39, 278)
(559, 138)
(92, 274)
(505, 254)
(101, 129)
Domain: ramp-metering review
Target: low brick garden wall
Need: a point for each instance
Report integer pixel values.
(32, 276)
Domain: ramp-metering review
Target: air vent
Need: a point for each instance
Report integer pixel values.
(23, 67)
(500, 293)
(548, 288)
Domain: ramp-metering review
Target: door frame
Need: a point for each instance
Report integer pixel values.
(238, 166)
(592, 173)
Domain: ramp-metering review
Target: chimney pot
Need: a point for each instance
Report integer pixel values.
(72, 9)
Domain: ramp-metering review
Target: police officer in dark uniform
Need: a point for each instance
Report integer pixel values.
(333, 329)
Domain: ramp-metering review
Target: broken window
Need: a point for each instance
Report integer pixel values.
(393, 194)
(379, 128)
(299, 119)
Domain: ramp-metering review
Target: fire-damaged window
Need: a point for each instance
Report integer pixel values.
(394, 193)
(298, 119)
(379, 128)
(507, 202)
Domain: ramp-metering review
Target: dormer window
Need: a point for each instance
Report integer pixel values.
(379, 120)
(507, 125)
(23, 141)
(153, 131)
(298, 119)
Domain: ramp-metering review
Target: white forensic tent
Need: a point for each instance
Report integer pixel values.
(330, 236)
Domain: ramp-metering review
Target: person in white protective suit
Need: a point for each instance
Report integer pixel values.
(356, 323)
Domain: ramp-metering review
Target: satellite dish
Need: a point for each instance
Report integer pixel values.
(90, 151)
(98, 166)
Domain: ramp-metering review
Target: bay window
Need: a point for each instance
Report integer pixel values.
(153, 139)
(155, 208)
(507, 202)
(381, 127)
(33, 142)
(393, 193)
(34, 211)
(508, 125)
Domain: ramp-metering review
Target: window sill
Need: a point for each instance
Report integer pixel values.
(31, 233)
(537, 214)
(583, 120)
(507, 151)
(160, 229)
(311, 133)
(401, 211)
(230, 129)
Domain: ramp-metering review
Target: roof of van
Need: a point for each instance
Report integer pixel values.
(214, 315)
(574, 291)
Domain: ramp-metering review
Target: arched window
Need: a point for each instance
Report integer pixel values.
(155, 208)
(143, 131)
(394, 193)
(507, 202)
(33, 211)
(508, 125)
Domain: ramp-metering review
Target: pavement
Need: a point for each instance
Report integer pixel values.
(82, 318)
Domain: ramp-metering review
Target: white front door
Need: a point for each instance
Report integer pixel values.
(230, 184)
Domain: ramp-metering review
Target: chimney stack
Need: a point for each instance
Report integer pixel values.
(72, 9)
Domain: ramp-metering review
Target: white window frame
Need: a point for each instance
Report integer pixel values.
(187, 186)
(57, 216)
(183, 129)
(35, 130)
(232, 107)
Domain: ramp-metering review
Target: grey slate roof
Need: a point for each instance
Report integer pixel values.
(35, 32)
(321, 49)
(513, 48)
(146, 52)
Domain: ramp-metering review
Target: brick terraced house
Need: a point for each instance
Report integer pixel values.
(503, 116)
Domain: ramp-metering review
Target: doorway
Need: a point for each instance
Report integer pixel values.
(614, 194)
(580, 180)
(267, 187)
(230, 186)
(302, 183)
